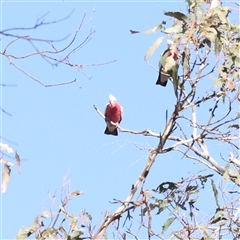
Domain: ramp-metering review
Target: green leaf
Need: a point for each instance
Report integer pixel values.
(214, 4)
(219, 216)
(207, 236)
(203, 179)
(46, 214)
(149, 31)
(53, 237)
(226, 173)
(175, 233)
(76, 193)
(191, 189)
(217, 46)
(134, 31)
(89, 216)
(192, 201)
(174, 210)
(237, 61)
(217, 82)
(162, 205)
(167, 224)
(105, 235)
(182, 206)
(5, 177)
(178, 15)
(35, 225)
(5, 147)
(185, 62)
(169, 186)
(62, 230)
(224, 40)
(23, 234)
(209, 33)
(236, 28)
(237, 126)
(144, 210)
(222, 13)
(174, 29)
(49, 233)
(238, 179)
(153, 30)
(75, 235)
(153, 48)
(189, 2)
(205, 42)
(215, 192)
(18, 161)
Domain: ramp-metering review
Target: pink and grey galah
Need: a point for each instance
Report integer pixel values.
(113, 113)
(168, 66)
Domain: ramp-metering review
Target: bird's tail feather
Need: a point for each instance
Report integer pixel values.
(114, 132)
(159, 82)
(162, 78)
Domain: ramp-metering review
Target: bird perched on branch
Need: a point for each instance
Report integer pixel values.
(113, 113)
(168, 66)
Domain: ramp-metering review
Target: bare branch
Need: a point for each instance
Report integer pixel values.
(49, 55)
(109, 219)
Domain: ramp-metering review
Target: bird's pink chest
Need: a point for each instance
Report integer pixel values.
(175, 56)
(114, 113)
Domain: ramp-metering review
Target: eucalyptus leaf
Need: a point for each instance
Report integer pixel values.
(178, 15)
(76, 193)
(153, 30)
(153, 48)
(174, 29)
(46, 214)
(217, 46)
(75, 235)
(5, 177)
(207, 236)
(23, 234)
(17, 157)
(215, 192)
(62, 230)
(167, 224)
(237, 126)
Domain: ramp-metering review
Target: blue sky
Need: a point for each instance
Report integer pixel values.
(56, 130)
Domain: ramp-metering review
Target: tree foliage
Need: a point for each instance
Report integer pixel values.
(208, 42)
(4, 148)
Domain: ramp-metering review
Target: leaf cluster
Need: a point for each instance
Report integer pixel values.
(5, 149)
(208, 44)
(68, 224)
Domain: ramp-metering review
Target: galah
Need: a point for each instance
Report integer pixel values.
(168, 66)
(113, 113)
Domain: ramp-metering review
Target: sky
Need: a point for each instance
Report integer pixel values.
(57, 132)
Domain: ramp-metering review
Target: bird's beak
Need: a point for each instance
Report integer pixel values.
(112, 103)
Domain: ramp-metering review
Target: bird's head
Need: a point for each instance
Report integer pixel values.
(112, 100)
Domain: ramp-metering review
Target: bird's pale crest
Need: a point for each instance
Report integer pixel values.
(169, 43)
(112, 98)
